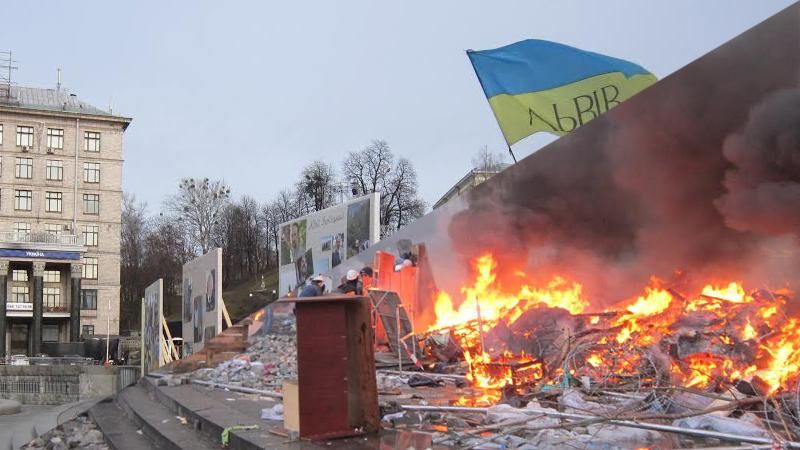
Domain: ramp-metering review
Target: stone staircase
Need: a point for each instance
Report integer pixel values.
(153, 414)
(226, 345)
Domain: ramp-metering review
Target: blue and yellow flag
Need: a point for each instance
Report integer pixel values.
(536, 85)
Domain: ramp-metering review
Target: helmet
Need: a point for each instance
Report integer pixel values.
(318, 278)
(352, 275)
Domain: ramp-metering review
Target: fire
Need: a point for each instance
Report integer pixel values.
(653, 303)
(595, 360)
(733, 317)
(259, 314)
(486, 301)
(484, 304)
(748, 332)
(733, 292)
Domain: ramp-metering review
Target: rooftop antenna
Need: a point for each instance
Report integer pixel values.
(58, 79)
(6, 67)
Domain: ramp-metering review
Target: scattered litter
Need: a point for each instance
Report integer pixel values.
(226, 433)
(274, 413)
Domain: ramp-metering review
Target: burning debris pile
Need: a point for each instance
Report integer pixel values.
(675, 367)
(717, 338)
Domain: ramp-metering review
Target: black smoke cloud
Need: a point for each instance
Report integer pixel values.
(764, 184)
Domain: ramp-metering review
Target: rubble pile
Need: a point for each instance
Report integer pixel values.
(268, 361)
(570, 417)
(79, 432)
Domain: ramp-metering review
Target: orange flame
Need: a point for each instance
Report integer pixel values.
(736, 316)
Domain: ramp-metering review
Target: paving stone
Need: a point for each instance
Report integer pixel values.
(269, 360)
(79, 432)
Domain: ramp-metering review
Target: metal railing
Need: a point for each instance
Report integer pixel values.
(41, 390)
(128, 375)
(17, 237)
(56, 306)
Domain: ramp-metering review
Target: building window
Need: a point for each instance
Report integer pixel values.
(55, 138)
(90, 235)
(23, 200)
(24, 136)
(54, 229)
(20, 294)
(52, 201)
(91, 203)
(87, 330)
(52, 276)
(52, 300)
(24, 168)
(91, 141)
(90, 268)
(1, 134)
(50, 333)
(55, 170)
(91, 172)
(88, 298)
(19, 275)
(22, 228)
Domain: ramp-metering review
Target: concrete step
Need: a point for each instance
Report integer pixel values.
(210, 417)
(119, 431)
(210, 411)
(159, 424)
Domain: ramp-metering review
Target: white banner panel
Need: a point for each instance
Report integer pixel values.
(320, 241)
(202, 294)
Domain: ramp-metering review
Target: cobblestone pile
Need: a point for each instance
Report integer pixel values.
(79, 432)
(269, 360)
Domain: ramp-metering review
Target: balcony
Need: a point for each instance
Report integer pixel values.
(40, 241)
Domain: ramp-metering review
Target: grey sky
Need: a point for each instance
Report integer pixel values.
(252, 91)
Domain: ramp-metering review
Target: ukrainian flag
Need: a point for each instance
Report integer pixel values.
(536, 85)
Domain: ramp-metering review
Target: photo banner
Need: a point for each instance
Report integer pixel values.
(152, 335)
(318, 242)
(202, 295)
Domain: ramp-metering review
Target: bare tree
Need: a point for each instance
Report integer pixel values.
(318, 185)
(199, 203)
(489, 161)
(402, 204)
(133, 260)
(242, 234)
(373, 169)
(167, 248)
(285, 206)
(366, 170)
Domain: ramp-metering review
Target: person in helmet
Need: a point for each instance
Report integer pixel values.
(315, 288)
(351, 284)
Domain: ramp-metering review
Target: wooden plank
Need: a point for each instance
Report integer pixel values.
(172, 348)
(225, 313)
(291, 407)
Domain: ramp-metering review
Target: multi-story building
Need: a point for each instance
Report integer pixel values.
(473, 178)
(60, 218)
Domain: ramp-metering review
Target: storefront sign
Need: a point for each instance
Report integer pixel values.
(40, 254)
(19, 306)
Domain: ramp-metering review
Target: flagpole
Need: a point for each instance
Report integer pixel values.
(512, 154)
(496, 119)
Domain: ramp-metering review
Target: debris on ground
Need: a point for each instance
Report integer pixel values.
(79, 432)
(270, 359)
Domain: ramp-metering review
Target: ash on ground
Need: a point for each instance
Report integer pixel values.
(79, 432)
